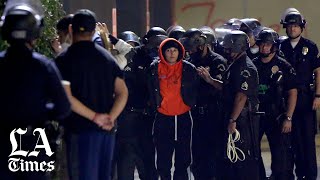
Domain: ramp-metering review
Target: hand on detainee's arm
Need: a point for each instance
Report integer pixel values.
(204, 73)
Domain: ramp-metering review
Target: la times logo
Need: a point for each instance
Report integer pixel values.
(18, 159)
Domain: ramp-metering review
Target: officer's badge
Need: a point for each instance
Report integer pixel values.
(245, 73)
(274, 69)
(244, 86)
(305, 50)
(221, 67)
(140, 67)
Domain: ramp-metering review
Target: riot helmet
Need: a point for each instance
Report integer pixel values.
(235, 42)
(129, 36)
(251, 22)
(192, 39)
(153, 44)
(176, 32)
(293, 17)
(271, 37)
(21, 23)
(211, 37)
(153, 32)
(268, 36)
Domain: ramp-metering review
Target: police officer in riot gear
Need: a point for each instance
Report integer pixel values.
(240, 94)
(32, 92)
(302, 54)
(277, 96)
(176, 32)
(207, 113)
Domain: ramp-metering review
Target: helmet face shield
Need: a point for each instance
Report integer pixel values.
(236, 41)
(129, 36)
(192, 39)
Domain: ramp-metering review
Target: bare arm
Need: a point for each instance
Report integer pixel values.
(79, 108)
(316, 101)
(76, 105)
(292, 100)
(238, 105)
(121, 97)
(291, 104)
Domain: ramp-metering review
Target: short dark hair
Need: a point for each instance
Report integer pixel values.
(170, 44)
(63, 24)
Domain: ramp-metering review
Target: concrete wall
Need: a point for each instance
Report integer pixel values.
(196, 13)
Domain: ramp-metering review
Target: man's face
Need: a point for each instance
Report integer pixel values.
(230, 55)
(171, 55)
(265, 48)
(293, 31)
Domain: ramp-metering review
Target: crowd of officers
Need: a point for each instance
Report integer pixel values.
(187, 91)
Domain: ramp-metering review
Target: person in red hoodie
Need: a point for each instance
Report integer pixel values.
(173, 88)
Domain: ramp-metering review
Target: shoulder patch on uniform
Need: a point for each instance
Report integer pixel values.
(244, 86)
(221, 67)
(245, 73)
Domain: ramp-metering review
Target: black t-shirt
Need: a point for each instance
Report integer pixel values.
(303, 59)
(31, 90)
(241, 76)
(92, 71)
(217, 65)
(272, 75)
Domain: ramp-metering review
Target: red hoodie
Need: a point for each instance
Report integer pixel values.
(170, 84)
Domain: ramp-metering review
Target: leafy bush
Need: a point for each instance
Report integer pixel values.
(53, 12)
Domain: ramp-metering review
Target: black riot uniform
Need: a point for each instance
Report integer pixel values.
(303, 58)
(134, 146)
(31, 95)
(207, 127)
(241, 77)
(276, 78)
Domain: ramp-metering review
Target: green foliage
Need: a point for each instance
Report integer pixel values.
(53, 12)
